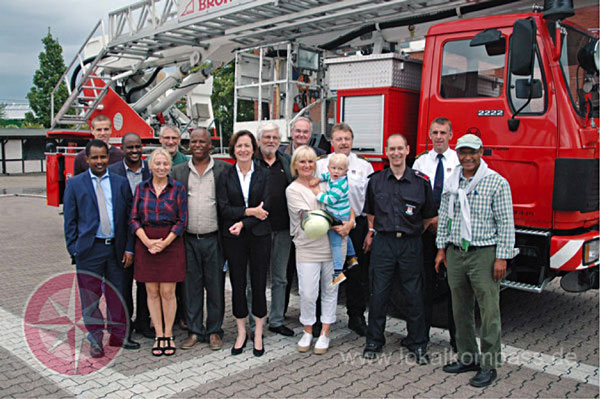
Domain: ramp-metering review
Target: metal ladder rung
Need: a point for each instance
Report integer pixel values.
(525, 286)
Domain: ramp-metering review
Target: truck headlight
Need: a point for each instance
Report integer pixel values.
(591, 251)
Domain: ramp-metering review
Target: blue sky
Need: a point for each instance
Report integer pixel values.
(23, 23)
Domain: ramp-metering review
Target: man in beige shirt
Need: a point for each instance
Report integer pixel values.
(204, 271)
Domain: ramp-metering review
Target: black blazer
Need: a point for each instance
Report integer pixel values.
(231, 202)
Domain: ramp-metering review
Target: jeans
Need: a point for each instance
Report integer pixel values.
(336, 241)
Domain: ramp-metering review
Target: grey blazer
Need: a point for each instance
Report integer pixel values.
(181, 173)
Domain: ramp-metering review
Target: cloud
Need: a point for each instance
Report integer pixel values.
(23, 24)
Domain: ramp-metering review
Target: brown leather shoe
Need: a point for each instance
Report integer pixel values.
(216, 342)
(190, 341)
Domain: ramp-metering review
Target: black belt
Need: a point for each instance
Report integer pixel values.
(106, 241)
(201, 236)
(471, 247)
(396, 234)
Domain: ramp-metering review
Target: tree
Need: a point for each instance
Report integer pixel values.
(222, 101)
(52, 66)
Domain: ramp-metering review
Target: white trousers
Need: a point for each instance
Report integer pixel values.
(309, 276)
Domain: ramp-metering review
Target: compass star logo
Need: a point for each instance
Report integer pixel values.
(57, 333)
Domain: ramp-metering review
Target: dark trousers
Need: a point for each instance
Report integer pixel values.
(397, 258)
(204, 271)
(357, 283)
(291, 275)
(97, 273)
(255, 252)
(179, 295)
(142, 318)
(432, 283)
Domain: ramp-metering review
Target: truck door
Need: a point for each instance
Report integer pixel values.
(472, 86)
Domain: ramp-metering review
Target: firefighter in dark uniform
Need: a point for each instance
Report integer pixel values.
(399, 206)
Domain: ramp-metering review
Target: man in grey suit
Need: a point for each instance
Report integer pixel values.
(200, 176)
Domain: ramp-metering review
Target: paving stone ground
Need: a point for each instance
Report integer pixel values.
(550, 342)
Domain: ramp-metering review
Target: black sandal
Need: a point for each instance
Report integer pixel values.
(158, 351)
(169, 347)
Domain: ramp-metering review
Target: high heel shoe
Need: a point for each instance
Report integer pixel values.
(258, 352)
(236, 351)
(157, 350)
(169, 350)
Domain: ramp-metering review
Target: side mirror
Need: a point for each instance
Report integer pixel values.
(493, 41)
(522, 44)
(527, 89)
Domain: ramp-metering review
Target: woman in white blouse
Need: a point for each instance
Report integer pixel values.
(243, 199)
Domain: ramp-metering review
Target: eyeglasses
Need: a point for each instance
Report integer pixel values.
(269, 138)
(301, 131)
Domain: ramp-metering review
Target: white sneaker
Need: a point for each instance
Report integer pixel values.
(322, 345)
(304, 343)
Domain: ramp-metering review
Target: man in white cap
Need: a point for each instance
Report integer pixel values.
(476, 237)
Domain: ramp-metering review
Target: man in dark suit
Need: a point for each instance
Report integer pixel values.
(96, 220)
(301, 134)
(136, 170)
(204, 271)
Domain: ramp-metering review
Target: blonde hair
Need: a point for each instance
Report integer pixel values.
(159, 151)
(339, 159)
(301, 153)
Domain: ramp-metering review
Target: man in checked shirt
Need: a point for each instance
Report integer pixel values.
(476, 237)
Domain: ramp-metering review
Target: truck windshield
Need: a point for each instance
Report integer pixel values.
(578, 82)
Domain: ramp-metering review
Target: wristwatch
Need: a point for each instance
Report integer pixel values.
(372, 231)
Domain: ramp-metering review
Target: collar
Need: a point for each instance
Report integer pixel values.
(406, 176)
(260, 156)
(433, 155)
(93, 176)
(462, 176)
(148, 182)
(237, 168)
(128, 168)
(192, 167)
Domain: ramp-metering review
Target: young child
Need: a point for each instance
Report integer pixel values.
(337, 203)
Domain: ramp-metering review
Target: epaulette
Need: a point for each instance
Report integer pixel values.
(421, 154)
(422, 175)
(322, 156)
(363, 158)
(374, 173)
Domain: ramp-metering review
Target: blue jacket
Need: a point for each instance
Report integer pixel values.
(81, 216)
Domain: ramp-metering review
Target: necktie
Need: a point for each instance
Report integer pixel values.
(438, 183)
(104, 220)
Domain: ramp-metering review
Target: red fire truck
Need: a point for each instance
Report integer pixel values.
(526, 83)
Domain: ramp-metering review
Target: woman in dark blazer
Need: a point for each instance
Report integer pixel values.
(243, 199)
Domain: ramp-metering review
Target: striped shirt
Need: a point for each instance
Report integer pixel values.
(170, 208)
(336, 197)
(492, 221)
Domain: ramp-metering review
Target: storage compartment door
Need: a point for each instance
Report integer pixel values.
(364, 114)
